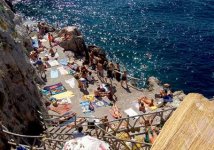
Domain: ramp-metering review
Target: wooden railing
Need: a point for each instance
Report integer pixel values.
(107, 131)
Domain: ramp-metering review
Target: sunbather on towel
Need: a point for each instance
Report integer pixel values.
(148, 102)
(100, 92)
(115, 112)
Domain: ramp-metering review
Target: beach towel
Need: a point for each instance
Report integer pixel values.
(53, 63)
(61, 108)
(131, 112)
(43, 40)
(88, 98)
(100, 103)
(85, 107)
(66, 100)
(63, 61)
(54, 74)
(153, 108)
(45, 92)
(55, 89)
(35, 43)
(67, 94)
(62, 70)
(136, 105)
(167, 99)
(71, 82)
(48, 88)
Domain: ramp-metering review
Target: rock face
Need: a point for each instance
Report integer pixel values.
(153, 84)
(19, 96)
(190, 127)
(74, 42)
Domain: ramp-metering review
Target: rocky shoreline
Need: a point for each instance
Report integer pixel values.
(19, 94)
(77, 45)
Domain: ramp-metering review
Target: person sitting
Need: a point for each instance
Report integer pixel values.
(52, 53)
(80, 84)
(84, 74)
(90, 78)
(115, 112)
(40, 66)
(100, 71)
(74, 66)
(97, 94)
(84, 83)
(167, 95)
(46, 58)
(84, 68)
(142, 108)
(146, 101)
(78, 133)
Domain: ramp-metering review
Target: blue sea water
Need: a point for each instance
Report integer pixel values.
(173, 38)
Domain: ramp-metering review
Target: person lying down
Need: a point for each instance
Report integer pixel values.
(115, 112)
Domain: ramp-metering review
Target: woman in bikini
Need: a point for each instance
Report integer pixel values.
(115, 112)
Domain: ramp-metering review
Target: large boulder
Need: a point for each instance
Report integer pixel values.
(75, 42)
(153, 84)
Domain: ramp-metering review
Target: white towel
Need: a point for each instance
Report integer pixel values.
(53, 63)
(62, 70)
(71, 82)
(131, 112)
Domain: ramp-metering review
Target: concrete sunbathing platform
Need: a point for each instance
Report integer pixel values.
(125, 98)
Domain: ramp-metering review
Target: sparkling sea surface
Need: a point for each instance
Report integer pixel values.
(169, 39)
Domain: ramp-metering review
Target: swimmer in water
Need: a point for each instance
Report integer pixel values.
(144, 66)
(149, 55)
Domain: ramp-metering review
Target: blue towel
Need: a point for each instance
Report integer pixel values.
(105, 103)
(85, 106)
(63, 62)
(54, 74)
(167, 99)
(35, 43)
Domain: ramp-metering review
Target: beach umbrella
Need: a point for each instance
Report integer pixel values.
(86, 143)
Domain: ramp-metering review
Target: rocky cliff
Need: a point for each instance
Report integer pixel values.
(74, 41)
(19, 97)
(190, 127)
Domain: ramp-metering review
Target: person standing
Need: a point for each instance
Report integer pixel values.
(41, 67)
(100, 71)
(50, 39)
(117, 72)
(124, 79)
(78, 133)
